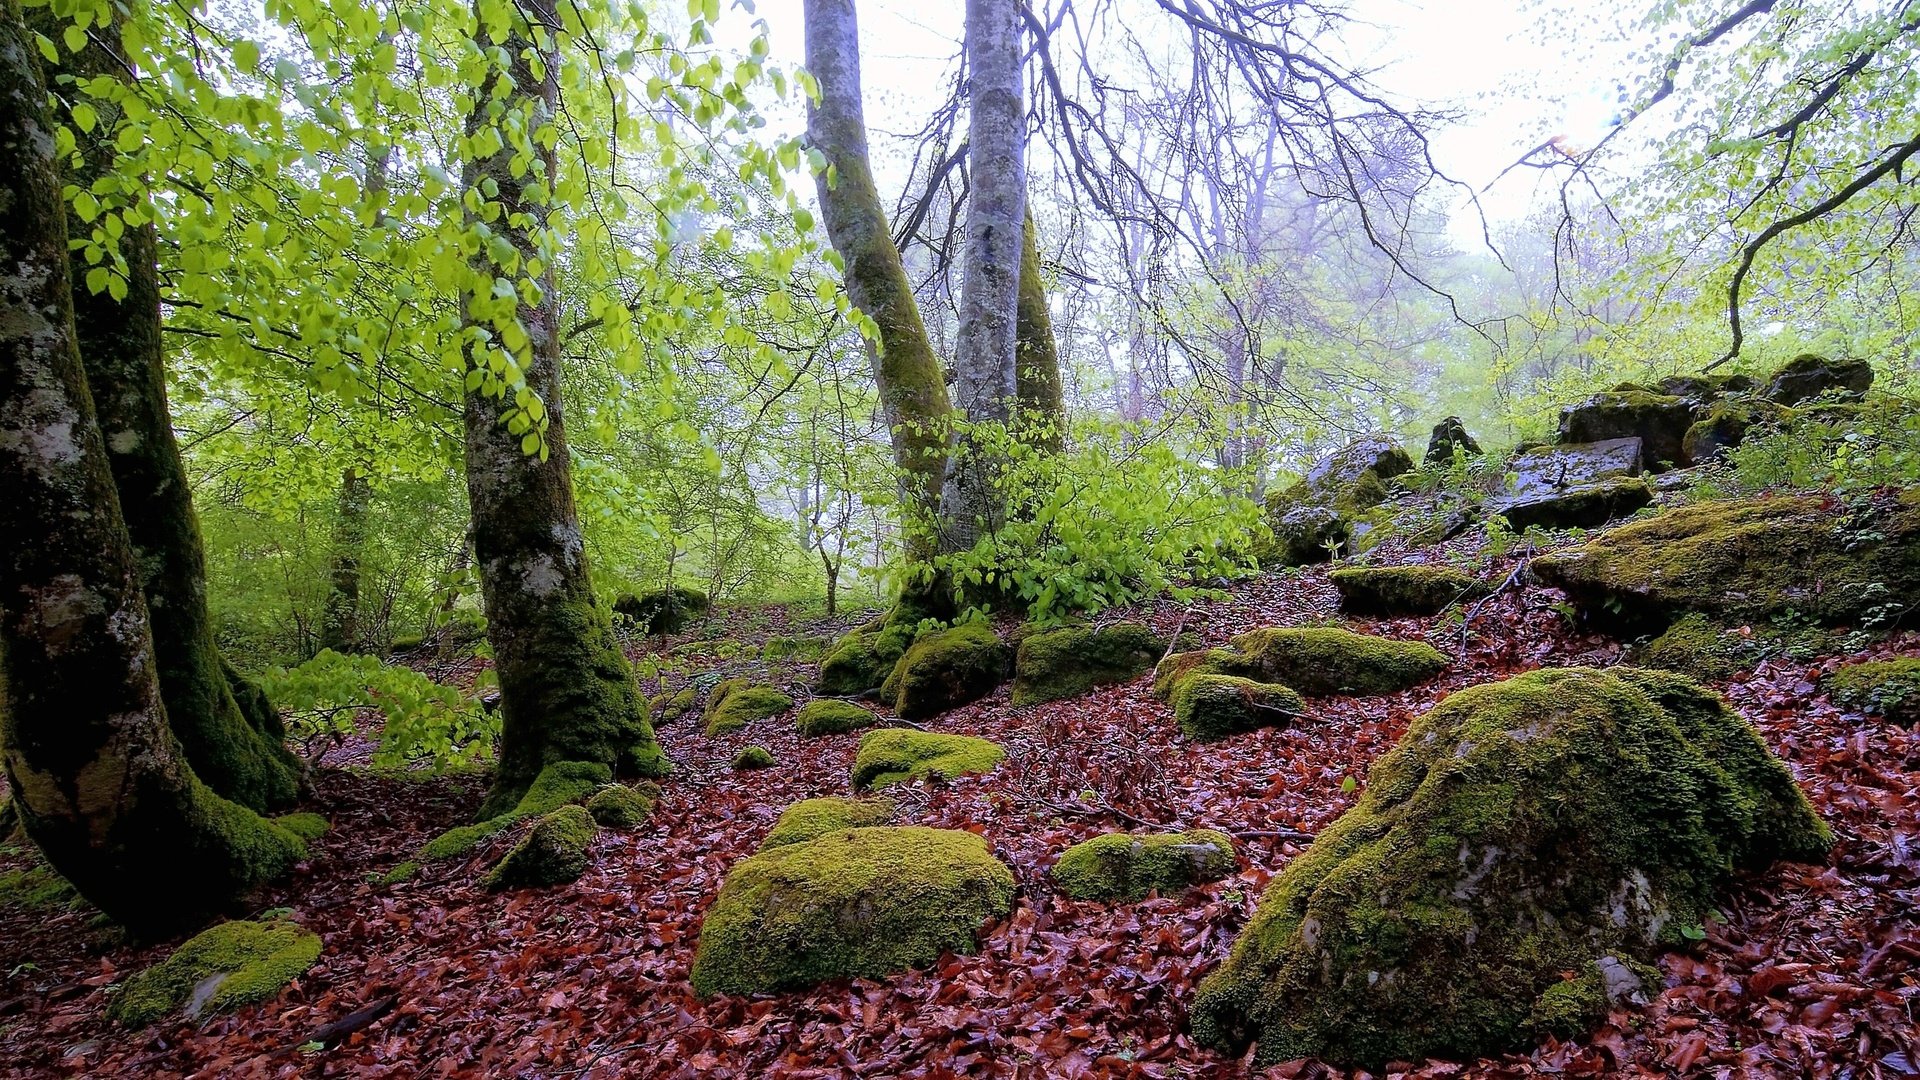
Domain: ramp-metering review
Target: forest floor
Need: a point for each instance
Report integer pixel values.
(1814, 971)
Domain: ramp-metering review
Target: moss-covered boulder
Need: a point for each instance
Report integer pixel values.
(946, 669)
(862, 660)
(1121, 866)
(1659, 421)
(1745, 559)
(1209, 707)
(735, 704)
(663, 611)
(891, 755)
(1548, 470)
(753, 757)
(1329, 660)
(1704, 389)
(831, 716)
(1811, 375)
(1071, 660)
(1726, 424)
(221, 968)
(1312, 520)
(811, 818)
(1578, 506)
(858, 903)
(1402, 590)
(618, 806)
(1171, 671)
(1449, 440)
(1514, 864)
(1699, 648)
(553, 852)
(1885, 688)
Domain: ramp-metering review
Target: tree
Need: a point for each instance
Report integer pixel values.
(102, 786)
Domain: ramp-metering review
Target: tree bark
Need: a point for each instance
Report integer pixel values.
(985, 362)
(1038, 382)
(100, 782)
(913, 391)
(566, 692)
(340, 628)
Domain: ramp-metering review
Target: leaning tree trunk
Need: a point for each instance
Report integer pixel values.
(238, 751)
(985, 362)
(566, 692)
(1043, 410)
(98, 778)
(913, 392)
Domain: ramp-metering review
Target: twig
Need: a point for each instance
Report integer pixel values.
(1466, 624)
(338, 1030)
(1274, 834)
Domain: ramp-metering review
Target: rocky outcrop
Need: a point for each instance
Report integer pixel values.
(1659, 421)
(1810, 375)
(1069, 661)
(1450, 439)
(1312, 519)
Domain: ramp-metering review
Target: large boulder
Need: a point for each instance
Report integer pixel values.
(858, 903)
(946, 669)
(1071, 660)
(809, 819)
(1449, 439)
(1329, 660)
(1402, 590)
(1515, 864)
(1659, 421)
(1121, 866)
(1547, 470)
(219, 969)
(1312, 519)
(1810, 375)
(664, 611)
(1578, 506)
(1726, 423)
(891, 755)
(1745, 559)
(1210, 707)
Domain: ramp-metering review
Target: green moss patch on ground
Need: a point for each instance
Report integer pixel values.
(1885, 688)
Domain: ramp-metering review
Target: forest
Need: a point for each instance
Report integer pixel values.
(1016, 538)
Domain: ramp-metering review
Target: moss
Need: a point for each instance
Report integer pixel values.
(1659, 421)
(666, 707)
(945, 669)
(1520, 830)
(306, 826)
(1887, 688)
(557, 785)
(1172, 670)
(1069, 661)
(891, 755)
(35, 887)
(1209, 708)
(803, 647)
(1727, 423)
(618, 806)
(1329, 660)
(739, 706)
(862, 660)
(553, 852)
(1311, 521)
(1744, 559)
(828, 716)
(811, 818)
(1120, 866)
(858, 903)
(1810, 375)
(221, 968)
(753, 757)
(1402, 590)
(1573, 1007)
(663, 611)
(1698, 647)
(405, 643)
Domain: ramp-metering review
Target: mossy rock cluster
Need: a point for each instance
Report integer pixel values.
(1727, 423)
(1403, 590)
(1884, 688)
(753, 757)
(1579, 506)
(1811, 375)
(557, 785)
(1322, 660)
(892, 755)
(862, 660)
(830, 716)
(553, 852)
(1514, 864)
(663, 611)
(1312, 520)
(217, 970)
(1659, 421)
(812, 818)
(1745, 559)
(1121, 866)
(735, 703)
(856, 903)
(946, 669)
(1210, 707)
(1071, 660)
(618, 806)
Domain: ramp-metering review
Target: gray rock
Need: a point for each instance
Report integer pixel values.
(1556, 468)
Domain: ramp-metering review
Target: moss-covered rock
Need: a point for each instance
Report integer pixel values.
(1329, 660)
(305, 825)
(1172, 670)
(891, 755)
(753, 757)
(1450, 439)
(946, 669)
(1726, 424)
(736, 703)
(221, 968)
(1745, 559)
(812, 818)
(668, 706)
(1564, 824)
(1579, 506)
(1549, 470)
(553, 852)
(557, 785)
(862, 660)
(1312, 520)
(1699, 648)
(830, 716)
(1209, 707)
(1121, 866)
(663, 611)
(858, 903)
(1659, 421)
(1703, 390)
(618, 806)
(1402, 590)
(1069, 661)
(1887, 688)
(1810, 375)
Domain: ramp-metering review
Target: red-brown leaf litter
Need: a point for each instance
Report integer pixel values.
(1814, 971)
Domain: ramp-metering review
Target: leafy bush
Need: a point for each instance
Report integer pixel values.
(1839, 448)
(424, 720)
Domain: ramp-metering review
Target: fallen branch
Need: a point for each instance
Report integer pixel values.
(1466, 624)
(330, 1034)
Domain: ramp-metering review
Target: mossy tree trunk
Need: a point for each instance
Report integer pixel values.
(566, 692)
(340, 622)
(99, 781)
(1038, 381)
(239, 753)
(913, 390)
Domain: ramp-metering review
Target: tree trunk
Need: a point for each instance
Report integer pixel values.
(985, 364)
(913, 391)
(340, 623)
(99, 780)
(566, 692)
(1043, 411)
(237, 752)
